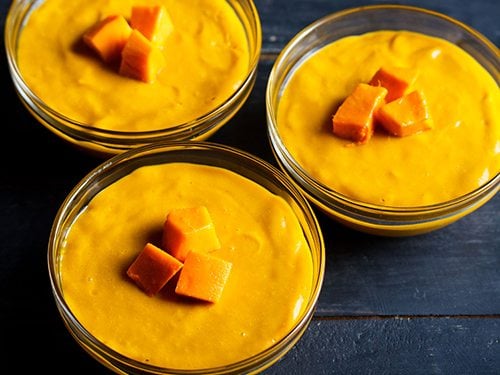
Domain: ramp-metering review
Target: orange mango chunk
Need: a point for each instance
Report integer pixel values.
(108, 37)
(395, 79)
(152, 21)
(354, 119)
(405, 116)
(187, 229)
(141, 59)
(203, 276)
(153, 268)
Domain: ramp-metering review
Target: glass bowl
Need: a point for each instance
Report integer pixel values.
(362, 214)
(107, 136)
(259, 172)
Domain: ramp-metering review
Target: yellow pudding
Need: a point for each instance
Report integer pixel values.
(459, 154)
(207, 59)
(266, 294)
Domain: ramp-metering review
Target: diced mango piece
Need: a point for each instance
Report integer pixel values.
(203, 276)
(153, 22)
(354, 118)
(108, 37)
(153, 268)
(395, 79)
(405, 116)
(141, 59)
(187, 229)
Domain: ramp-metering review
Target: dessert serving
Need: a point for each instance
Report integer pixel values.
(388, 117)
(186, 257)
(111, 75)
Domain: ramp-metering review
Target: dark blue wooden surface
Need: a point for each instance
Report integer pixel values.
(422, 305)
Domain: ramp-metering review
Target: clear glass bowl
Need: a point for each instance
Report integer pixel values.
(107, 142)
(203, 153)
(362, 216)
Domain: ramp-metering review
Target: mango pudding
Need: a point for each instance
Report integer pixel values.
(113, 70)
(184, 265)
(387, 118)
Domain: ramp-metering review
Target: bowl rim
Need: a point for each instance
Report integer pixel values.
(321, 194)
(132, 158)
(390, 7)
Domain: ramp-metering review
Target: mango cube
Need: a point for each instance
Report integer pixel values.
(203, 276)
(395, 79)
(108, 37)
(152, 21)
(187, 229)
(354, 119)
(405, 116)
(141, 59)
(153, 268)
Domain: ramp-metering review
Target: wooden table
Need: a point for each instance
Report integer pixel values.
(423, 305)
